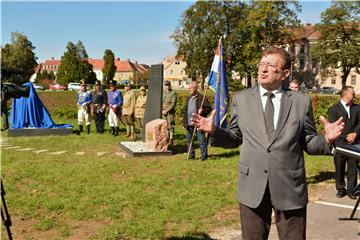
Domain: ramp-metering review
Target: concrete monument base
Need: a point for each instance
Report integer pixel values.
(140, 149)
(32, 132)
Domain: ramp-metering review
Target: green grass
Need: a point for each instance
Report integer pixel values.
(131, 198)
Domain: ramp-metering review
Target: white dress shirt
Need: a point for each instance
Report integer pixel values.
(276, 101)
(347, 107)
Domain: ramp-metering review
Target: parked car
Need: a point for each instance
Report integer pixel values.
(38, 87)
(57, 86)
(328, 90)
(74, 86)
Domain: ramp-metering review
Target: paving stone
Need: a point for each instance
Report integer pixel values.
(58, 152)
(99, 154)
(13, 147)
(79, 153)
(24, 149)
(41, 151)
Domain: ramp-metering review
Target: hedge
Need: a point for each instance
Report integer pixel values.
(62, 104)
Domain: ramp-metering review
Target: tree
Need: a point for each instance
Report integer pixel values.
(339, 44)
(109, 66)
(18, 56)
(81, 52)
(267, 23)
(201, 27)
(246, 29)
(74, 67)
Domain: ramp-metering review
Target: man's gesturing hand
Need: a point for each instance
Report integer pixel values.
(204, 124)
(332, 130)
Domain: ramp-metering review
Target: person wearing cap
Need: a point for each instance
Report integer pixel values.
(168, 109)
(128, 111)
(83, 103)
(99, 97)
(140, 107)
(115, 101)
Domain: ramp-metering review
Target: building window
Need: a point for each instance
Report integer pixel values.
(171, 72)
(333, 81)
(353, 79)
(181, 72)
(177, 63)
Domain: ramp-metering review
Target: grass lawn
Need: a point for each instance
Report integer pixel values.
(114, 197)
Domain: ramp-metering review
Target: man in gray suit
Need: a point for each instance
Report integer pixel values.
(274, 127)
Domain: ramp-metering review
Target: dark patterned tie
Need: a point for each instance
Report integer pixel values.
(269, 114)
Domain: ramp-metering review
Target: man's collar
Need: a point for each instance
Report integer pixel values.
(263, 90)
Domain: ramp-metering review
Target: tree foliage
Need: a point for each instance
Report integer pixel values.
(339, 44)
(109, 66)
(246, 29)
(18, 56)
(74, 66)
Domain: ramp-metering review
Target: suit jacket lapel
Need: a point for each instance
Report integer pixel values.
(285, 106)
(257, 116)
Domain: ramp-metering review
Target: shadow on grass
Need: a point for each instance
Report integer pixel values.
(192, 236)
(225, 154)
(322, 176)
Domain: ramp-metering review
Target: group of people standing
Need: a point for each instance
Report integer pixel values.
(121, 108)
(128, 109)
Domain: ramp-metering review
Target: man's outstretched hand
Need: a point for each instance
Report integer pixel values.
(204, 124)
(332, 130)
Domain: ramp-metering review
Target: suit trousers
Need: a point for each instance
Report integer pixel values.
(256, 222)
(351, 176)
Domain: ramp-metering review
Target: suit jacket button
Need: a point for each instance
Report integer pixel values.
(269, 151)
(265, 171)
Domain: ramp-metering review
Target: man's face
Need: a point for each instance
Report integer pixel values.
(192, 89)
(294, 87)
(167, 87)
(349, 95)
(271, 73)
(83, 87)
(127, 88)
(112, 88)
(97, 87)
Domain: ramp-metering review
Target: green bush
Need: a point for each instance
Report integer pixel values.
(62, 104)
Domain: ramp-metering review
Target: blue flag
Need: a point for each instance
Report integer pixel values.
(218, 83)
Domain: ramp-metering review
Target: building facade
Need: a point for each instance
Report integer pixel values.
(174, 71)
(126, 70)
(306, 69)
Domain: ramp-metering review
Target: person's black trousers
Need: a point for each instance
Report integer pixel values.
(340, 162)
(99, 121)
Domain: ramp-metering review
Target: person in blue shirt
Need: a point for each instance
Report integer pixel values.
(115, 101)
(83, 102)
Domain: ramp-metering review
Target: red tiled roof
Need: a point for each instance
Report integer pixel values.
(98, 64)
(52, 63)
(124, 66)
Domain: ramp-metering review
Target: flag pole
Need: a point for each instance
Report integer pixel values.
(201, 106)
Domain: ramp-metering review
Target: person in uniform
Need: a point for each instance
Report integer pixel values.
(140, 108)
(168, 109)
(128, 111)
(99, 97)
(83, 103)
(115, 101)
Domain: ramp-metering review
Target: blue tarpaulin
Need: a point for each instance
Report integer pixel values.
(31, 113)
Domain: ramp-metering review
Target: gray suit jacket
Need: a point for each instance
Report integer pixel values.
(278, 162)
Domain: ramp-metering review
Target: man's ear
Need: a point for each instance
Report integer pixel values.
(286, 74)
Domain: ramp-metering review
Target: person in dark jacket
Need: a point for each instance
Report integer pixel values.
(193, 105)
(349, 111)
(99, 98)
